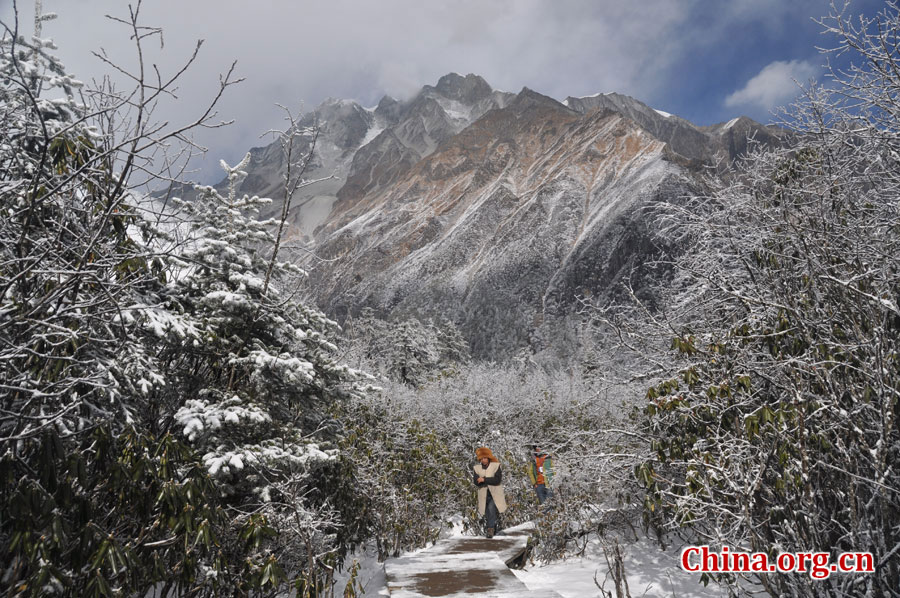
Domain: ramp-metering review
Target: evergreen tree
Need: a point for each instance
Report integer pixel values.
(255, 376)
(163, 423)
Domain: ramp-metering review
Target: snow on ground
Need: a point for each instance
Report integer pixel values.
(373, 132)
(370, 577)
(314, 212)
(650, 572)
(595, 95)
(455, 110)
(371, 573)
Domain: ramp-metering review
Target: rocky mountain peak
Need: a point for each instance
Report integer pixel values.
(697, 145)
(733, 136)
(528, 98)
(469, 89)
(738, 123)
(389, 109)
(345, 122)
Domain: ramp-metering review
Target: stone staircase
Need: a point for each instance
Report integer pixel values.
(464, 566)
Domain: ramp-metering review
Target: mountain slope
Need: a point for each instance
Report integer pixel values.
(494, 210)
(357, 147)
(502, 227)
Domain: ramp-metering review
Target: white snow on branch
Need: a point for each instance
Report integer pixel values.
(198, 415)
(223, 462)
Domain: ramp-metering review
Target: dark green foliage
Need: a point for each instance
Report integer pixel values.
(116, 510)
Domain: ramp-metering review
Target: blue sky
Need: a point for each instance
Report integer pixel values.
(750, 65)
(704, 60)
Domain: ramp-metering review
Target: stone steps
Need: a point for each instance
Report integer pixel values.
(463, 566)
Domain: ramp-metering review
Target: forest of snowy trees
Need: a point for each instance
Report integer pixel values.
(176, 421)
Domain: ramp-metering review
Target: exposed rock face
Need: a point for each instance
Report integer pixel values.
(701, 144)
(494, 210)
(366, 148)
(503, 226)
(416, 129)
(733, 137)
(683, 137)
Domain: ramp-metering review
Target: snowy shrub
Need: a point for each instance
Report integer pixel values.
(409, 352)
(164, 405)
(781, 429)
(406, 474)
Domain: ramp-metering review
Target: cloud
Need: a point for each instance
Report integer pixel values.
(310, 50)
(306, 51)
(774, 85)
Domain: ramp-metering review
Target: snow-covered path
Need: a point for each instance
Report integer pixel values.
(463, 566)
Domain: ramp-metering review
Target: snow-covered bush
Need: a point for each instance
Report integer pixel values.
(164, 406)
(408, 351)
(781, 430)
(406, 474)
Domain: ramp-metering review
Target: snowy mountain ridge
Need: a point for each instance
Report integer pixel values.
(491, 209)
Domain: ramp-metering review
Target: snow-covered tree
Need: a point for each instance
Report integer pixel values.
(407, 351)
(68, 259)
(163, 414)
(253, 375)
(781, 429)
(90, 501)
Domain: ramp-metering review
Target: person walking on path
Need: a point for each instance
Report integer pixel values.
(540, 473)
(488, 477)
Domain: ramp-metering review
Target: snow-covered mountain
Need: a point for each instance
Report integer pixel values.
(352, 140)
(491, 209)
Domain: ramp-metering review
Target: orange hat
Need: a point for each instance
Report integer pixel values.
(483, 452)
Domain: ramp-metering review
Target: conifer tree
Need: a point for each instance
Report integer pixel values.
(162, 413)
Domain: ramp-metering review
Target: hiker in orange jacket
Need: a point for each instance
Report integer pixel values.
(487, 477)
(540, 472)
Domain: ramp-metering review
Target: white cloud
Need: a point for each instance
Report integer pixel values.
(290, 51)
(774, 85)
